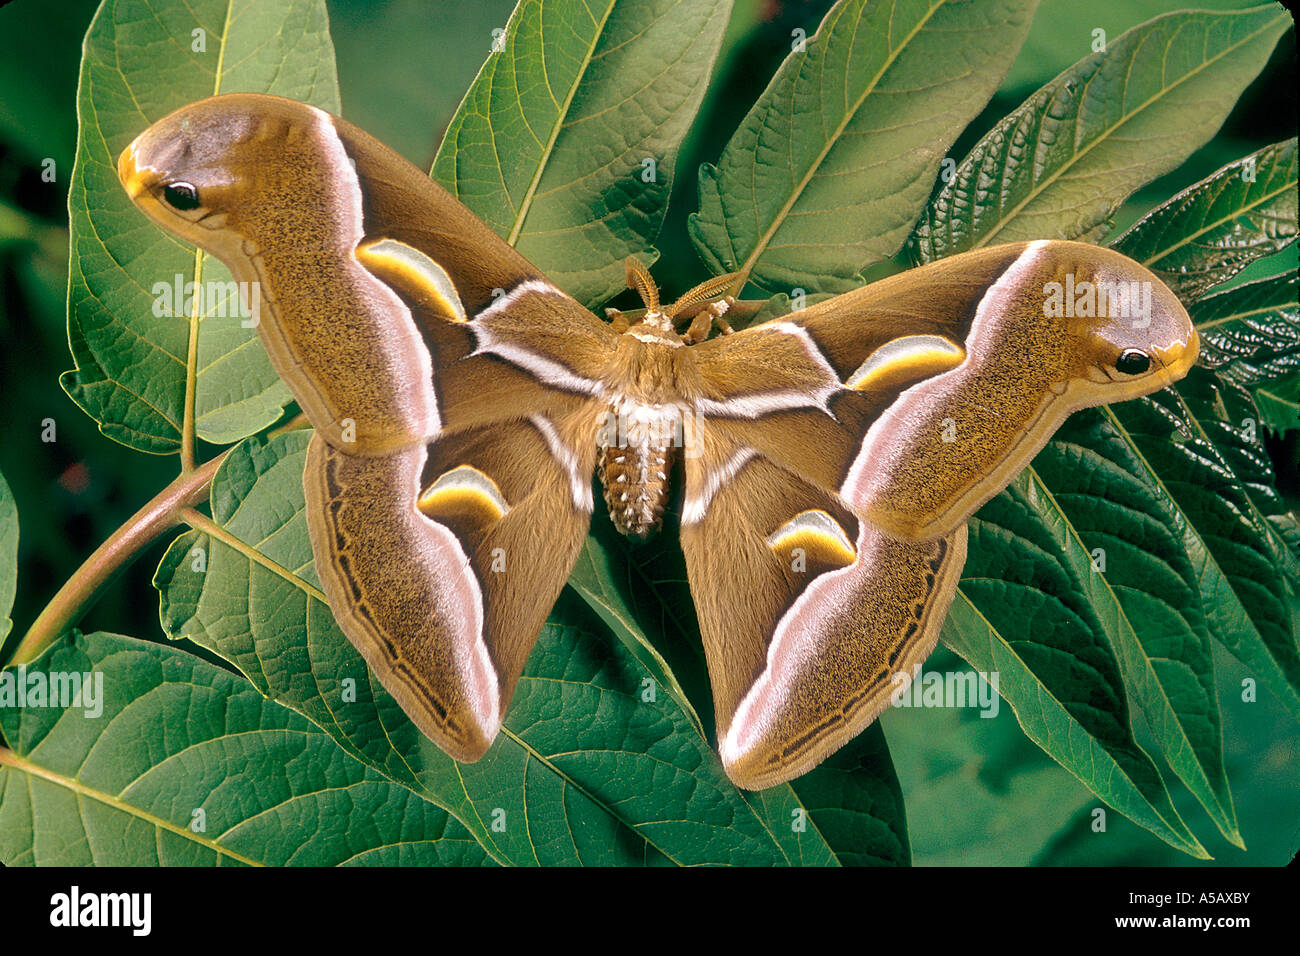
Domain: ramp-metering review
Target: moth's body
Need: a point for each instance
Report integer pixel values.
(650, 384)
(462, 404)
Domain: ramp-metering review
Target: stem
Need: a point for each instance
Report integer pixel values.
(142, 529)
(162, 513)
(192, 369)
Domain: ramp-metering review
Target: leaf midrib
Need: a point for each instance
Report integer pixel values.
(1271, 307)
(189, 411)
(22, 765)
(1145, 662)
(561, 115)
(1289, 186)
(831, 141)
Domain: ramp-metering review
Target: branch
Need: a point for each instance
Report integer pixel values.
(141, 530)
(162, 513)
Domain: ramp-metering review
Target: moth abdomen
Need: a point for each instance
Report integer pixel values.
(638, 447)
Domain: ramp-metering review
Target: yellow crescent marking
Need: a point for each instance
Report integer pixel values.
(817, 529)
(464, 487)
(907, 357)
(408, 267)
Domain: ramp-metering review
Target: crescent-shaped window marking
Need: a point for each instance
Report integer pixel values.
(905, 358)
(464, 486)
(408, 267)
(816, 529)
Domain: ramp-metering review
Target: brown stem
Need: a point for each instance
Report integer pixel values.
(143, 528)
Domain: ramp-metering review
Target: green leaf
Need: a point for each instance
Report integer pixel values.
(1250, 336)
(8, 557)
(140, 62)
(551, 142)
(1146, 583)
(1061, 164)
(1025, 612)
(175, 762)
(833, 164)
(1230, 418)
(596, 580)
(855, 801)
(1211, 231)
(1244, 586)
(590, 768)
(852, 800)
(1279, 403)
(646, 583)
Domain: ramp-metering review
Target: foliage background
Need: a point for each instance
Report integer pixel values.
(977, 791)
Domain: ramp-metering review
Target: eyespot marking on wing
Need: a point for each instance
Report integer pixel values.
(814, 530)
(409, 268)
(905, 358)
(464, 488)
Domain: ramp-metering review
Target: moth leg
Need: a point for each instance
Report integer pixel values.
(617, 320)
(704, 321)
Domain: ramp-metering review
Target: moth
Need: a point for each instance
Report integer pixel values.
(462, 404)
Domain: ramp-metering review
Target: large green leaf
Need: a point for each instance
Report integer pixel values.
(1187, 552)
(8, 557)
(1137, 542)
(1250, 336)
(595, 578)
(551, 142)
(855, 801)
(1061, 164)
(1032, 610)
(186, 764)
(1279, 403)
(1211, 231)
(141, 61)
(596, 764)
(1207, 432)
(828, 172)
(1240, 556)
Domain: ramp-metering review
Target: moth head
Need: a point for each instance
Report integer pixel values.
(233, 168)
(1129, 333)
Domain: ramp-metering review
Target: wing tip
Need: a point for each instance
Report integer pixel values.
(761, 768)
(466, 746)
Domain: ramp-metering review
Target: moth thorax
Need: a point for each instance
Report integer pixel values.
(637, 448)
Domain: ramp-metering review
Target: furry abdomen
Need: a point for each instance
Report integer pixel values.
(637, 449)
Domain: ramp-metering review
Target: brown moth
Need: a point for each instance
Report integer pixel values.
(462, 404)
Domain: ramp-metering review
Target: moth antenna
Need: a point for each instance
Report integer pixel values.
(706, 290)
(638, 277)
